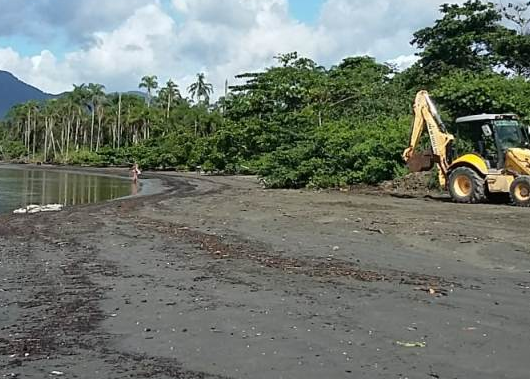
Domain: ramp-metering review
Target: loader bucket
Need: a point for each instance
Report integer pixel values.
(423, 161)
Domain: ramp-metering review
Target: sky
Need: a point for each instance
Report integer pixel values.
(52, 44)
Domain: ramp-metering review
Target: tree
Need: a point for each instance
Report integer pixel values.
(80, 98)
(463, 93)
(463, 38)
(473, 37)
(150, 83)
(169, 94)
(515, 50)
(201, 90)
(30, 109)
(515, 47)
(518, 13)
(50, 112)
(96, 94)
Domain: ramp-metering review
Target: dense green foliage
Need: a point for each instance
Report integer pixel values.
(295, 124)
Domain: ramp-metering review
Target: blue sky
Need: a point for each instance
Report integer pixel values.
(54, 43)
(29, 46)
(305, 10)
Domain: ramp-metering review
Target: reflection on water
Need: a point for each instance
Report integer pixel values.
(22, 187)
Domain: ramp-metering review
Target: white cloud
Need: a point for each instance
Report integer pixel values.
(222, 38)
(263, 30)
(381, 28)
(403, 61)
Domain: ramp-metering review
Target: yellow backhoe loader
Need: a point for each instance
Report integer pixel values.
(488, 154)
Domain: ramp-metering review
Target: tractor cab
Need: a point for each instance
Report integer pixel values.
(490, 136)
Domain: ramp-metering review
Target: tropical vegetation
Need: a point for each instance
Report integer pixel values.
(295, 124)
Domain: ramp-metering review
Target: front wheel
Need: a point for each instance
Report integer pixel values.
(466, 186)
(520, 191)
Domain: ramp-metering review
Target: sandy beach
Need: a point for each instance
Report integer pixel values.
(216, 277)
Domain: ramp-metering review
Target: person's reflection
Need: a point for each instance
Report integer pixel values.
(134, 188)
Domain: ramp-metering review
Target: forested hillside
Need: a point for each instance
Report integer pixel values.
(295, 124)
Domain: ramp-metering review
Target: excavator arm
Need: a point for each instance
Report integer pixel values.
(426, 116)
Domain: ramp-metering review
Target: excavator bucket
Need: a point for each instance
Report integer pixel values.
(423, 161)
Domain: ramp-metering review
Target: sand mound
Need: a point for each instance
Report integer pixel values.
(417, 183)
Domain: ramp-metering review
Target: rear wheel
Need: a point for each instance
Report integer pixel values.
(520, 191)
(466, 186)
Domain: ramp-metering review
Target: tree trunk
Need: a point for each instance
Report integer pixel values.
(34, 136)
(119, 121)
(52, 138)
(99, 132)
(92, 127)
(62, 138)
(226, 94)
(28, 130)
(114, 130)
(146, 130)
(76, 134)
(68, 127)
(46, 122)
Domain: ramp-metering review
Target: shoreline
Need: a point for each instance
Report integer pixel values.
(116, 172)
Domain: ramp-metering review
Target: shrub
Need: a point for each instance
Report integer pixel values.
(12, 149)
(85, 157)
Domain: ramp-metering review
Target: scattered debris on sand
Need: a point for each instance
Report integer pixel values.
(33, 208)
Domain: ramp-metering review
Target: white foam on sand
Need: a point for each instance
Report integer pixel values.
(33, 208)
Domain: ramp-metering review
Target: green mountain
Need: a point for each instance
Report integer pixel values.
(14, 91)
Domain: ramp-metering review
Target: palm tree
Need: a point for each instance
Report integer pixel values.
(46, 113)
(201, 90)
(26, 110)
(74, 105)
(169, 94)
(96, 94)
(79, 100)
(32, 107)
(16, 119)
(150, 83)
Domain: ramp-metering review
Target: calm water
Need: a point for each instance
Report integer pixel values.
(22, 187)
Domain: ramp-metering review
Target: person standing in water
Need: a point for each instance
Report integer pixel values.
(135, 172)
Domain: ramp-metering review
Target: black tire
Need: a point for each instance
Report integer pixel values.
(498, 198)
(520, 191)
(467, 186)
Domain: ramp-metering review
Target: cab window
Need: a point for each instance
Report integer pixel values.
(509, 134)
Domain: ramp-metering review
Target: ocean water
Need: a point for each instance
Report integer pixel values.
(20, 187)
